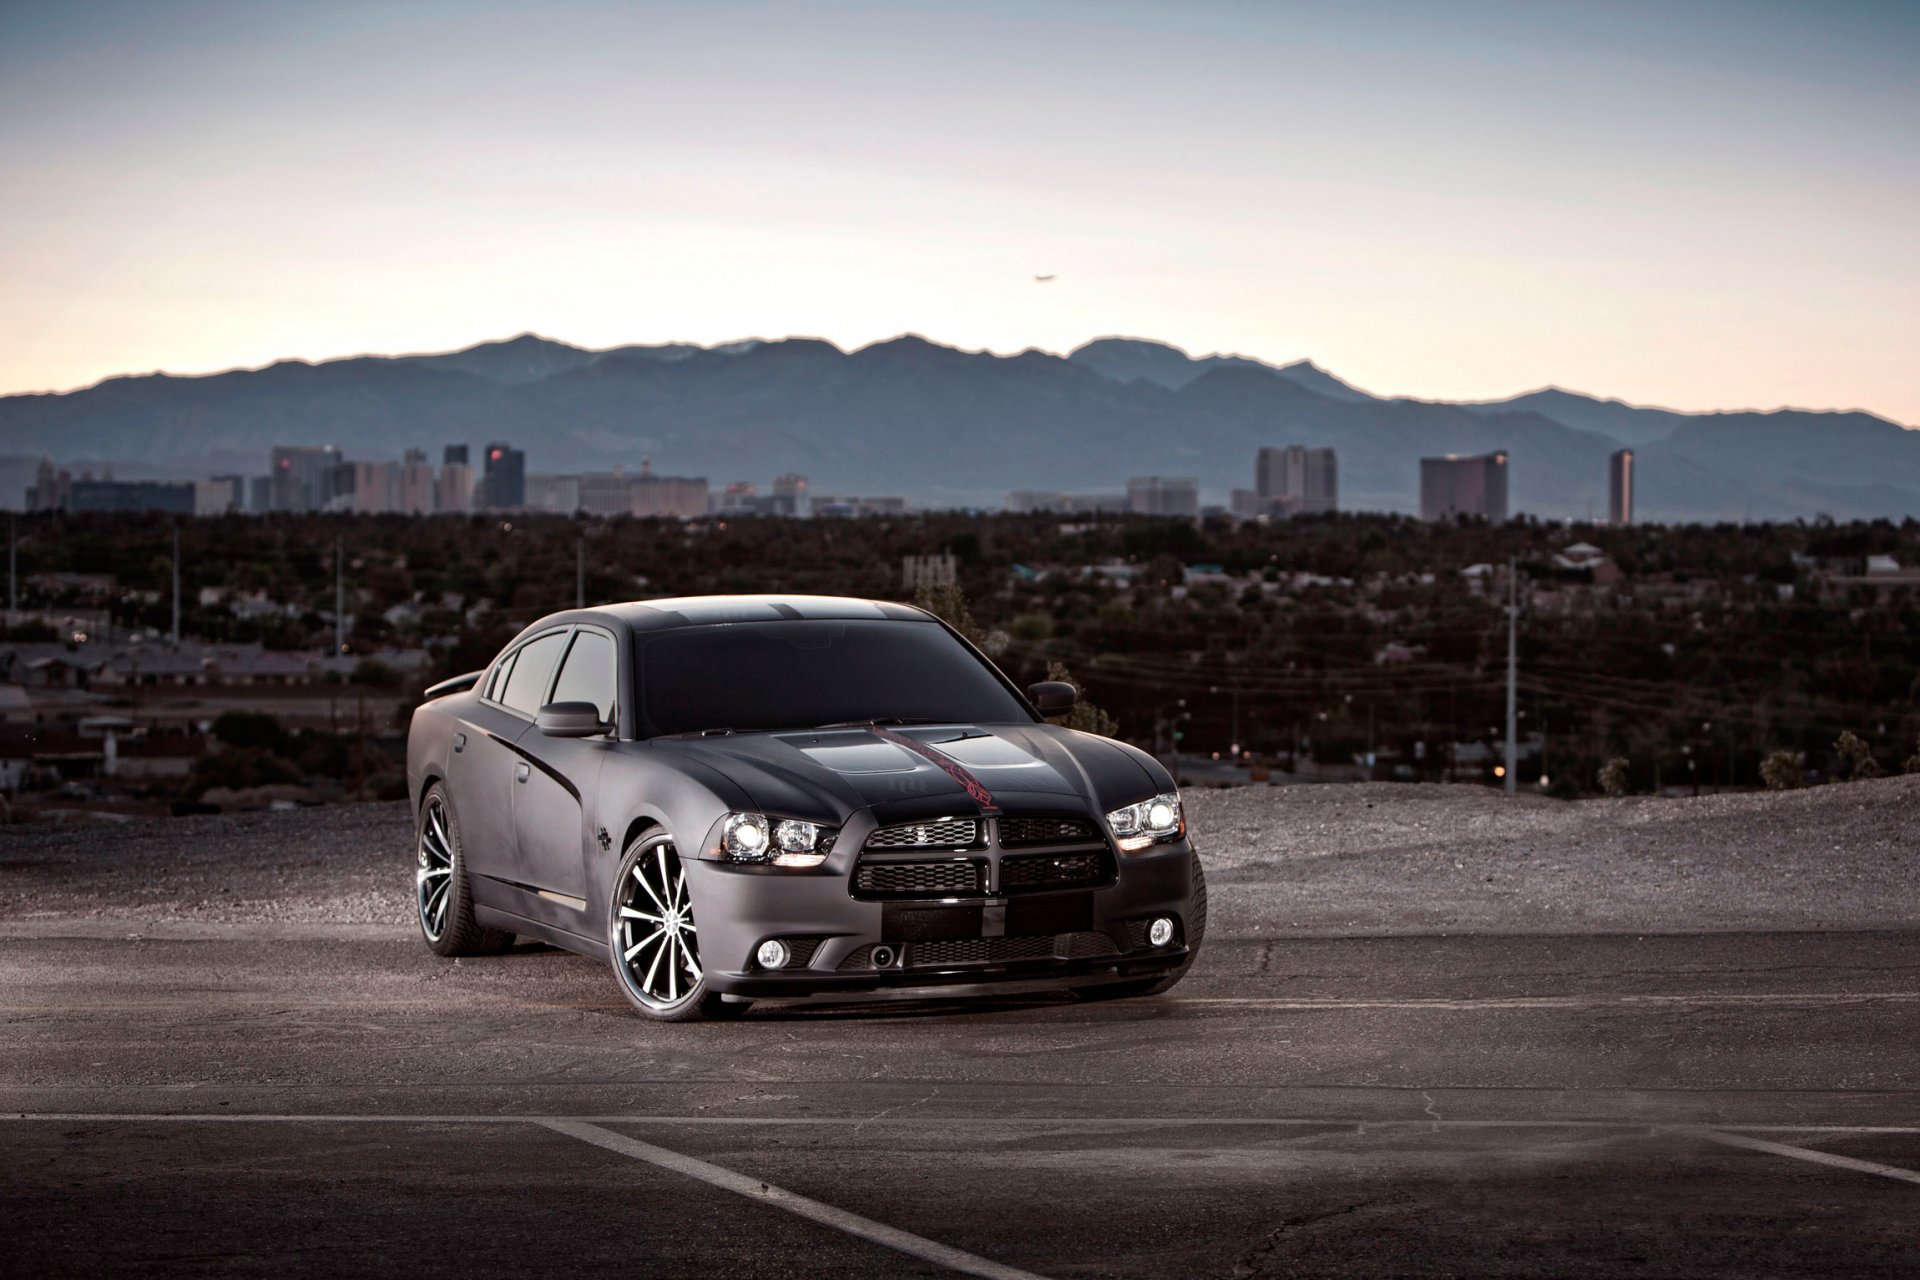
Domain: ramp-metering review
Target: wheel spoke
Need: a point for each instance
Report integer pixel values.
(628, 913)
(427, 873)
(673, 974)
(641, 877)
(652, 969)
(693, 965)
(641, 945)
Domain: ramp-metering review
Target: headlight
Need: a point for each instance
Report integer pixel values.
(749, 837)
(1149, 822)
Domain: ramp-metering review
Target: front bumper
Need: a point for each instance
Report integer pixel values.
(954, 946)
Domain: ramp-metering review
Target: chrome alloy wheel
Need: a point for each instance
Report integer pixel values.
(659, 946)
(433, 875)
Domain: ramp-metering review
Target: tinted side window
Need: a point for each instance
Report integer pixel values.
(588, 673)
(498, 684)
(527, 682)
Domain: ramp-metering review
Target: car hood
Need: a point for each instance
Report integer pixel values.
(907, 772)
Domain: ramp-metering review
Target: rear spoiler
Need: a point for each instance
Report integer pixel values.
(459, 684)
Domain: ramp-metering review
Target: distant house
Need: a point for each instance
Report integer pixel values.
(48, 665)
(1584, 556)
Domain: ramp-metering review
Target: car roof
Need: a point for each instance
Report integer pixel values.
(700, 611)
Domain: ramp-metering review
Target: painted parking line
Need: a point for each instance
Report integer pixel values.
(813, 1210)
(1827, 1158)
(1700, 1000)
(588, 1129)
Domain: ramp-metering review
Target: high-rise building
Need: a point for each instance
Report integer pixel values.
(260, 495)
(1163, 495)
(414, 492)
(504, 485)
(1296, 480)
(455, 455)
(789, 497)
(368, 488)
(1456, 486)
(553, 493)
(218, 495)
(304, 478)
(682, 497)
(49, 489)
(1620, 488)
(453, 495)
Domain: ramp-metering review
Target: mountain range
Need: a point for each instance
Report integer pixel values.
(946, 427)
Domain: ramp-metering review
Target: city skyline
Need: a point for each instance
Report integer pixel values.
(1698, 207)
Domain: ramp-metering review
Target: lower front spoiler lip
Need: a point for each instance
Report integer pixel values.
(943, 984)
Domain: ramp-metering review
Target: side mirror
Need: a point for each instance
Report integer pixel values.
(570, 720)
(1053, 697)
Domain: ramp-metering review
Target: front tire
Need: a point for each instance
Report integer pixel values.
(443, 903)
(654, 940)
(1196, 934)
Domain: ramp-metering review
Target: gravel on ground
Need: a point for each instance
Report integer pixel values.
(1377, 858)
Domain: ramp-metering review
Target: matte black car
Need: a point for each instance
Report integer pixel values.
(740, 797)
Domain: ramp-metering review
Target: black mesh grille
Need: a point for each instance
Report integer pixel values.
(932, 879)
(1016, 832)
(953, 833)
(1052, 870)
(1046, 946)
(981, 950)
(1088, 946)
(800, 951)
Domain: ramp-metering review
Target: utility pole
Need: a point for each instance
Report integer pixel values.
(1513, 671)
(580, 573)
(176, 586)
(339, 599)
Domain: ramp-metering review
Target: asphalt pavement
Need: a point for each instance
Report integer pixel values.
(313, 1098)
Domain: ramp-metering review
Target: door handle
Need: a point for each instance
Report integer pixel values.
(459, 742)
(521, 771)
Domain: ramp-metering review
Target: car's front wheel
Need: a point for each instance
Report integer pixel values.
(654, 939)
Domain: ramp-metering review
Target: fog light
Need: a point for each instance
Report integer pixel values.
(772, 954)
(1160, 932)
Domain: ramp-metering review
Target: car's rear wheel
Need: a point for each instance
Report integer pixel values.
(654, 939)
(442, 901)
(1196, 934)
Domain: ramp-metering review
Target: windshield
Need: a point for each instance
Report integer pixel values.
(797, 675)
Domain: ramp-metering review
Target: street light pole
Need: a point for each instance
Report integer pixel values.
(1513, 671)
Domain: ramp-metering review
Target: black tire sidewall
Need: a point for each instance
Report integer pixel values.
(698, 1003)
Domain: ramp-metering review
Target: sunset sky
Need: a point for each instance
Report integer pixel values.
(1694, 205)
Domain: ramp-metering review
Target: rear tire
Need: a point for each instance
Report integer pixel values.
(443, 903)
(1196, 934)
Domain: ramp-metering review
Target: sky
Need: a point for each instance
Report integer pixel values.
(1697, 205)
